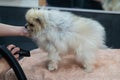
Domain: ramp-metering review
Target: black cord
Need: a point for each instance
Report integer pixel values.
(12, 62)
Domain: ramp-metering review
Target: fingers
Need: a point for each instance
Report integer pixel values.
(16, 56)
(10, 47)
(24, 32)
(14, 50)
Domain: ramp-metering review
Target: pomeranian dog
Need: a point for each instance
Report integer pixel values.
(58, 32)
(111, 5)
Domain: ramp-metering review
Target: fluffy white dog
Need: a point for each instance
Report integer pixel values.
(59, 32)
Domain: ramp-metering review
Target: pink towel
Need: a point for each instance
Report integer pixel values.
(107, 67)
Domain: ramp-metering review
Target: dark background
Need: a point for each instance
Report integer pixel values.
(85, 4)
(15, 16)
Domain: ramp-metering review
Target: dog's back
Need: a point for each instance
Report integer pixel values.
(67, 30)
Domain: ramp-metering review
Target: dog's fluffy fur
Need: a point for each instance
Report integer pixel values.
(111, 5)
(59, 32)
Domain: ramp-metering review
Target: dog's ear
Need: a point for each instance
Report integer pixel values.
(38, 21)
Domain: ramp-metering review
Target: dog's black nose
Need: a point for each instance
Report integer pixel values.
(26, 26)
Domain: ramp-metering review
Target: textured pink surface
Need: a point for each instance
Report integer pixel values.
(107, 67)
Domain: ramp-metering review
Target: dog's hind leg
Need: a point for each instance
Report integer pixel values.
(85, 56)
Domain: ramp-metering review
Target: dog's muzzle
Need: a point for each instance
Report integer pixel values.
(26, 26)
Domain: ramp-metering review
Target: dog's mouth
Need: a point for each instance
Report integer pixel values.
(26, 26)
(30, 30)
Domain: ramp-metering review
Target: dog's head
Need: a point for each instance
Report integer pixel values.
(35, 21)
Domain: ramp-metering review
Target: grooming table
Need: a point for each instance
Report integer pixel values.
(107, 67)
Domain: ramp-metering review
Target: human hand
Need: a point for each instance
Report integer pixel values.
(4, 66)
(13, 49)
(22, 31)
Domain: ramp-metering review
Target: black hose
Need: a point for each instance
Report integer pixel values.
(12, 62)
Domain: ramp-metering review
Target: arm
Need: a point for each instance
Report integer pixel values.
(9, 30)
(3, 67)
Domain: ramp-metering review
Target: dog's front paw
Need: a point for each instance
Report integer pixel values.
(88, 69)
(52, 66)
